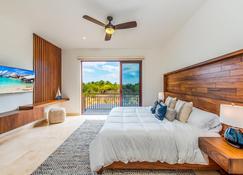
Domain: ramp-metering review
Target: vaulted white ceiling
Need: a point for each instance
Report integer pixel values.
(60, 21)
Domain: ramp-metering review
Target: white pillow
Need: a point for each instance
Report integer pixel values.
(170, 102)
(203, 119)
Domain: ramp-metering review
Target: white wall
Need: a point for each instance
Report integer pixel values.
(151, 77)
(215, 29)
(16, 51)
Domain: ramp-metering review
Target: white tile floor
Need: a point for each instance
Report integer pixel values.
(22, 151)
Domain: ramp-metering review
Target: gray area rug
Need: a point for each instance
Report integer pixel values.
(72, 157)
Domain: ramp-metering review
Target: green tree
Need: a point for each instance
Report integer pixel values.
(100, 87)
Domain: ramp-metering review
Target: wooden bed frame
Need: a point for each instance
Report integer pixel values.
(158, 166)
(207, 84)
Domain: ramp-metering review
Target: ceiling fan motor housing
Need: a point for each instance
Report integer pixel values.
(109, 18)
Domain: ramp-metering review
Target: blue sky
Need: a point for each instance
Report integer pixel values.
(95, 71)
(110, 71)
(130, 73)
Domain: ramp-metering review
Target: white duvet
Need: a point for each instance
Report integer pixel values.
(132, 134)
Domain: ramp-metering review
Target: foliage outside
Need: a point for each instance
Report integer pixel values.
(106, 87)
(100, 87)
(104, 92)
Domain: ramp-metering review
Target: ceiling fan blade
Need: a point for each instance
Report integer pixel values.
(126, 25)
(107, 37)
(93, 20)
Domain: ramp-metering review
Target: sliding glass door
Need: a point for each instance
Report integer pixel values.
(131, 83)
(109, 84)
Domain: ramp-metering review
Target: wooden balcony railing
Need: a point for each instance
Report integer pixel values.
(107, 101)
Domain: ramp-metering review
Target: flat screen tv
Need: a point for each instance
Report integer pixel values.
(15, 80)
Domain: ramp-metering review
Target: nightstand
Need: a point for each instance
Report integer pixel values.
(227, 157)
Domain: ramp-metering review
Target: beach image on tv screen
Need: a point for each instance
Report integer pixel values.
(15, 80)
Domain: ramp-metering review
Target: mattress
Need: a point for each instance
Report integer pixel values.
(132, 134)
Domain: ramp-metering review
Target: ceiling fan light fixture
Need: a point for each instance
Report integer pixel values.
(109, 30)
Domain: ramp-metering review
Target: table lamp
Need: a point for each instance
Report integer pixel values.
(233, 116)
(161, 96)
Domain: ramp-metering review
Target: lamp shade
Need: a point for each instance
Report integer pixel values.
(231, 115)
(161, 96)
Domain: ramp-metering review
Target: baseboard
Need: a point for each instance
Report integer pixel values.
(73, 114)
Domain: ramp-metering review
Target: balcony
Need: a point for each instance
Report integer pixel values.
(103, 103)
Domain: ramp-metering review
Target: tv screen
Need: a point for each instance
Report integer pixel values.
(15, 80)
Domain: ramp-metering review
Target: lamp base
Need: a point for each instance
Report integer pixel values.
(234, 137)
(233, 144)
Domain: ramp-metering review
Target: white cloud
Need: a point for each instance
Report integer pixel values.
(109, 71)
(88, 70)
(109, 68)
(104, 66)
(93, 65)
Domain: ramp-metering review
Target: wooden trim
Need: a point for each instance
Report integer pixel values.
(120, 83)
(110, 58)
(141, 83)
(158, 166)
(72, 114)
(81, 88)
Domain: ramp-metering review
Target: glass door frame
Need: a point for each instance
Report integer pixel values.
(140, 79)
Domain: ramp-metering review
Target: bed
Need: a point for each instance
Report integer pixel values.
(132, 138)
(134, 134)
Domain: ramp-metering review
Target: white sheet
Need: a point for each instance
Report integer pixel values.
(134, 134)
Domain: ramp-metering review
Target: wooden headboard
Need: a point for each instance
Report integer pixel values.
(210, 83)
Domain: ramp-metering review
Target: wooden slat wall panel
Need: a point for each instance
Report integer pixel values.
(209, 84)
(47, 66)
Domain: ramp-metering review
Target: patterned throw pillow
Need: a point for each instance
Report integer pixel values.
(170, 114)
(185, 112)
(160, 111)
(172, 103)
(179, 105)
(153, 109)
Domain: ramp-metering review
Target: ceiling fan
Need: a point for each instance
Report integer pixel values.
(110, 28)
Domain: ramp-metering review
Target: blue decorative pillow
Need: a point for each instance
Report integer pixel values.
(153, 109)
(160, 111)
